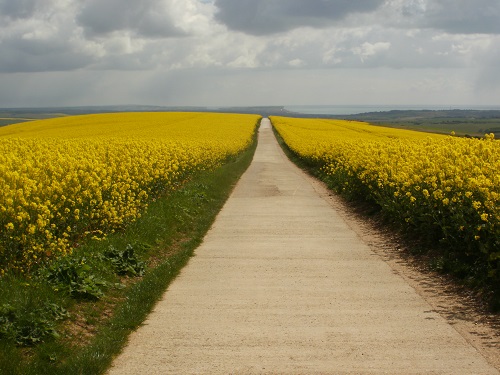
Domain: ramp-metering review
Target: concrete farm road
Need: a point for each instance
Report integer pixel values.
(282, 285)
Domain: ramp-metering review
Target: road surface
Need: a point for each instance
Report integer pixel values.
(282, 285)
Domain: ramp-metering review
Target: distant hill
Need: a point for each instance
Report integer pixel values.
(464, 122)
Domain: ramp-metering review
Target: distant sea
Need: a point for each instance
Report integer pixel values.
(356, 109)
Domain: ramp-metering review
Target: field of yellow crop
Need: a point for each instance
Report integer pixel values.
(445, 188)
(66, 179)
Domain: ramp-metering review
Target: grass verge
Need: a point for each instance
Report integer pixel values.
(114, 283)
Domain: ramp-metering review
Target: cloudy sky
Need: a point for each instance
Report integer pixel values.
(249, 52)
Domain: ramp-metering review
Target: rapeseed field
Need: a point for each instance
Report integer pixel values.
(67, 179)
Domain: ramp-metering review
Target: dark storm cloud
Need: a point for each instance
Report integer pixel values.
(456, 16)
(261, 17)
(19, 55)
(144, 18)
(16, 9)
(469, 17)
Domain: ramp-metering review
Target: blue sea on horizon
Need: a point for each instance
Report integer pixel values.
(356, 109)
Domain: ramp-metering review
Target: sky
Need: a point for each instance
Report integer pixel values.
(249, 52)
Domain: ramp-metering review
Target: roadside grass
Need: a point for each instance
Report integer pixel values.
(75, 315)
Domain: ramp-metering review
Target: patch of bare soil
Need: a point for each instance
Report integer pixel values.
(459, 306)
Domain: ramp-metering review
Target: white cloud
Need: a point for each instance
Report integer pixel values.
(297, 63)
(330, 56)
(370, 49)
